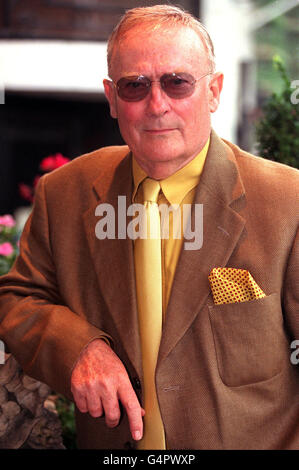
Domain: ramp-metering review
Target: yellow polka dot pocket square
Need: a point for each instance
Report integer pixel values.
(231, 285)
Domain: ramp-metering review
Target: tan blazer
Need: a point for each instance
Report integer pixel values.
(224, 376)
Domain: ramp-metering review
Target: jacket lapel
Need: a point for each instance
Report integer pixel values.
(113, 258)
(222, 194)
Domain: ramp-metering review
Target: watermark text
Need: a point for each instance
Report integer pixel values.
(295, 94)
(295, 354)
(132, 222)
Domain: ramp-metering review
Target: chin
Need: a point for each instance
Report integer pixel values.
(161, 153)
(156, 158)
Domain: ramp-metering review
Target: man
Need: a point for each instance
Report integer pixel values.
(72, 308)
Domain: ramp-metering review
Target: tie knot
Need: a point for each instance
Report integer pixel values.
(151, 189)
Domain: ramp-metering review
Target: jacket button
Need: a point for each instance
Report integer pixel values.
(136, 383)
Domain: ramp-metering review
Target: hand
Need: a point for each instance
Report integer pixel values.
(99, 381)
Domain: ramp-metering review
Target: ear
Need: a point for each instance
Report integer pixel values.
(111, 97)
(215, 87)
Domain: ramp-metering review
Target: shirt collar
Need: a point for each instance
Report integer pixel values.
(176, 186)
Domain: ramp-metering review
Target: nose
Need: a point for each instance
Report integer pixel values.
(158, 101)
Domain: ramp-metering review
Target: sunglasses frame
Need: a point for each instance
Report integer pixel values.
(149, 84)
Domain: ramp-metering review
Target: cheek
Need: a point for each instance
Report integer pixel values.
(130, 118)
(192, 109)
(198, 114)
(130, 114)
(189, 116)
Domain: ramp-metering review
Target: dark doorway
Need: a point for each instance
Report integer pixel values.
(35, 126)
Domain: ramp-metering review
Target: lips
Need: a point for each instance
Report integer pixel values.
(159, 131)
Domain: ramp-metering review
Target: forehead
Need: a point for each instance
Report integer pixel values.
(151, 51)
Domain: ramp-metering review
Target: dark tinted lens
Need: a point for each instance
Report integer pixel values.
(178, 85)
(133, 88)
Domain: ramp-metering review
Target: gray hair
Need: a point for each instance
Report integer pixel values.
(162, 16)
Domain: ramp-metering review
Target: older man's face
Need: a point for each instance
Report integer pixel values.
(164, 133)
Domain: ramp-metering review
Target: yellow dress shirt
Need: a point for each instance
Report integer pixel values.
(178, 188)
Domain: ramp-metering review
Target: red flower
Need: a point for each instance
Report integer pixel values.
(53, 161)
(47, 164)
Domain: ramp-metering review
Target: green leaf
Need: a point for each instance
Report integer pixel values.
(277, 130)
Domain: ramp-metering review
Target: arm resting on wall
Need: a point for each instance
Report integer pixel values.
(44, 335)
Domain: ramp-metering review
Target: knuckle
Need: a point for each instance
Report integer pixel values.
(105, 388)
(114, 415)
(76, 386)
(80, 388)
(132, 405)
(79, 397)
(91, 384)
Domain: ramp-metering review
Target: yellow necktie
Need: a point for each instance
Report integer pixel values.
(149, 300)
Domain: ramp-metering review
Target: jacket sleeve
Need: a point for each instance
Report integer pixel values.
(44, 335)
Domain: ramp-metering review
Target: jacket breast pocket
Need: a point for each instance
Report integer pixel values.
(249, 339)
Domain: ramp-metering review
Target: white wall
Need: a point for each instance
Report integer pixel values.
(228, 24)
(53, 65)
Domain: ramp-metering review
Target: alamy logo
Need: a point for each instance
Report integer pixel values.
(132, 222)
(295, 354)
(295, 94)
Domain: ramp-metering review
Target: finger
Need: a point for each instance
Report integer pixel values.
(80, 401)
(94, 405)
(134, 411)
(112, 411)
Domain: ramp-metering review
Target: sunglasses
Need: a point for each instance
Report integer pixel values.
(175, 85)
